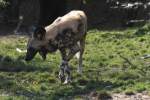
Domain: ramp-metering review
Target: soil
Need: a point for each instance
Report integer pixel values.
(119, 96)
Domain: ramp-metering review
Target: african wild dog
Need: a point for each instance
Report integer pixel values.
(66, 34)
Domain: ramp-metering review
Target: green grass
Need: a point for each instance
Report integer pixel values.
(112, 63)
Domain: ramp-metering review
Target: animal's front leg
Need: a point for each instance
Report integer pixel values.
(64, 68)
(66, 57)
(72, 51)
(68, 74)
(62, 71)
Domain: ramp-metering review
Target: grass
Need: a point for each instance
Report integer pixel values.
(112, 63)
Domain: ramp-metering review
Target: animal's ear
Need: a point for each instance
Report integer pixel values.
(39, 33)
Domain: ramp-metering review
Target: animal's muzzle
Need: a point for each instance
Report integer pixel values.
(31, 52)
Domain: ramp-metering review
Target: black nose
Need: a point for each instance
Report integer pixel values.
(27, 59)
(31, 52)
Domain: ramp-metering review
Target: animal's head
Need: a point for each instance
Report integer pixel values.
(48, 48)
(35, 43)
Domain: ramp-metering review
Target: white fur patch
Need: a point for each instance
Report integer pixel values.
(77, 55)
(20, 51)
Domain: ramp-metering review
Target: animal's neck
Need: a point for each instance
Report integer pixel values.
(51, 32)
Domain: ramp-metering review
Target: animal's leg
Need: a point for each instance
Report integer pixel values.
(68, 74)
(82, 46)
(72, 51)
(62, 65)
(62, 71)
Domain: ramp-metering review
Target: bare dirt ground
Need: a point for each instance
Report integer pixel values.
(119, 96)
(137, 96)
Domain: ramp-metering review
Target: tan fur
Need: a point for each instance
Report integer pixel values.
(70, 20)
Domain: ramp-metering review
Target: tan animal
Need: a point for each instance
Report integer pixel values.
(66, 34)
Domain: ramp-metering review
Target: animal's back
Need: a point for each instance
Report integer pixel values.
(72, 20)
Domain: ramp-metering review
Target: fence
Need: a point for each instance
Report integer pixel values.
(100, 12)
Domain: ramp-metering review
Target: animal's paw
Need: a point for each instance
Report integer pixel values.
(67, 81)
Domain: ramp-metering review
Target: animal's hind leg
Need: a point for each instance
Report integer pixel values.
(80, 54)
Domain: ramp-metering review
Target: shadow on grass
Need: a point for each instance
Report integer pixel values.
(8, 64)
(10, 88)
(66, 92)
(79, 89)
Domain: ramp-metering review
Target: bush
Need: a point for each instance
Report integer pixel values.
(144, 30)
